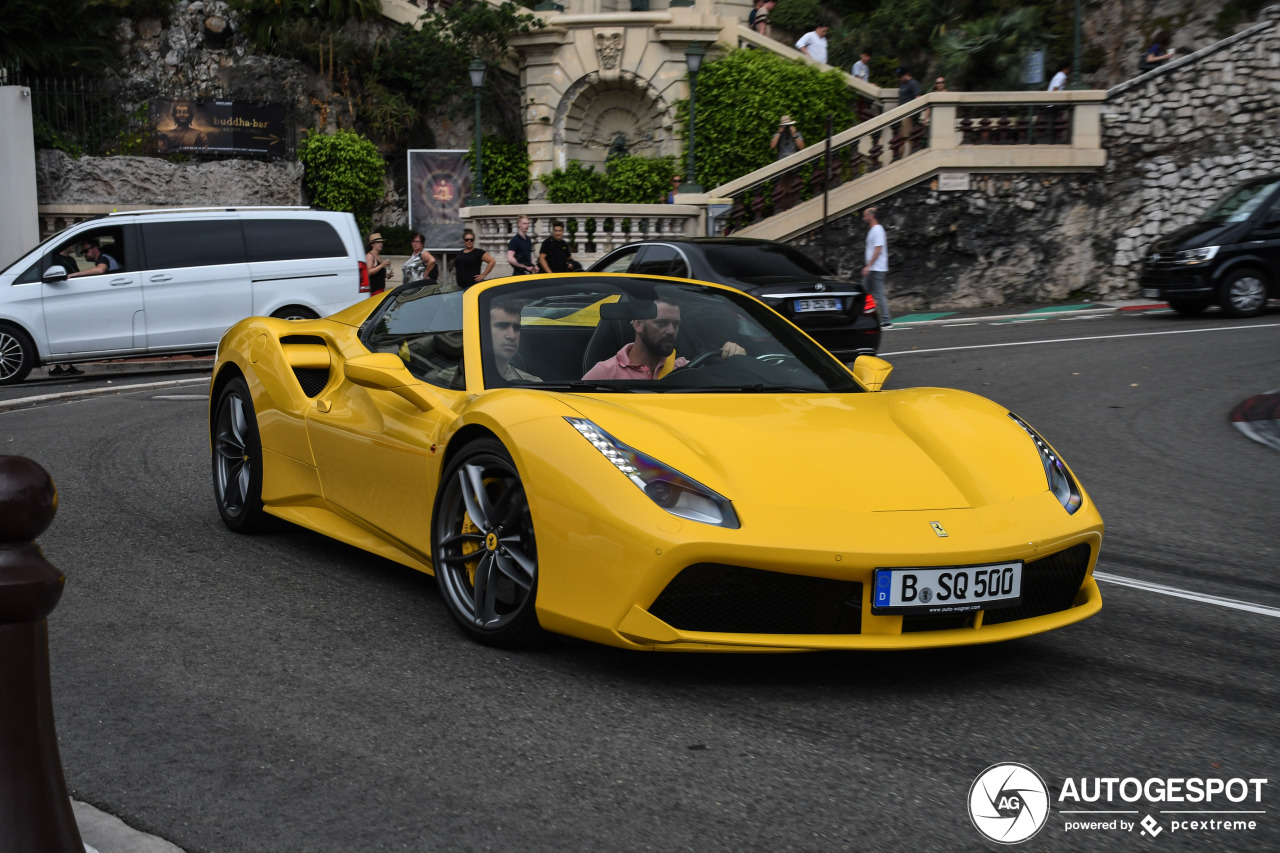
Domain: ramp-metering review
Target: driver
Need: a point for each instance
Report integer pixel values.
(652, 355)
(504, 329)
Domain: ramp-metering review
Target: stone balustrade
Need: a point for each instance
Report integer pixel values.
(592, 229)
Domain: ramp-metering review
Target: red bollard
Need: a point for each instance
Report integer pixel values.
(35, 811)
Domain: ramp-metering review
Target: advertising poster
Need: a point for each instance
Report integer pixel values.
(207, 126)
(439, 184)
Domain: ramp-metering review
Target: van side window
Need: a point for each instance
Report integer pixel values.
(291, 240)
(207, 242)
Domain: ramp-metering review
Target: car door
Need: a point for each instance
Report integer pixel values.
(196, 284)
(379, 455)
(96, 313)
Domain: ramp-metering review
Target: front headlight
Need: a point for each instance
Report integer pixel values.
(665, 486)
(1061, 483)
(1195, 256)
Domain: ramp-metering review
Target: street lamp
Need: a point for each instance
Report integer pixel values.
(693, 58)
(476, 70)
(1076, 81)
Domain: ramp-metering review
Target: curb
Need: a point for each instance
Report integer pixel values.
(1095, 310)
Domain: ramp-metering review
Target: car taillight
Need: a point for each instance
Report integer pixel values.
(869, 306)
(364, 277)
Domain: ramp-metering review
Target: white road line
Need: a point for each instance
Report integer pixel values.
(956, 325)
(1261, 609)
(1088, 338)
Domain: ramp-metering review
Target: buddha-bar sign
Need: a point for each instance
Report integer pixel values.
(208, 126)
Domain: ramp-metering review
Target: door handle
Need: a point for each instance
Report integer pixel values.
(162, 278)
(118, 282)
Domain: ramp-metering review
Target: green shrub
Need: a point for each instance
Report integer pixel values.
(625, 180)
(343, 172)
(506, 170)
(576, 184)
(740, 99)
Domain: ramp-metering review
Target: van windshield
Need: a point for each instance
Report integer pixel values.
(1240, 204)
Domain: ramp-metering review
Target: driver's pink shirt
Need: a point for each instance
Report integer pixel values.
(621, 367)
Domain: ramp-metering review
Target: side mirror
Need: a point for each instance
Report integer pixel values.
(53, 274)
(384, 371)
(870, 371)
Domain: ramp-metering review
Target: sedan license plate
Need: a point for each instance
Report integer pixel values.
(1150, 293)
(955, 589)
(817, 305)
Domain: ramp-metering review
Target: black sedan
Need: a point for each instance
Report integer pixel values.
(838, 314)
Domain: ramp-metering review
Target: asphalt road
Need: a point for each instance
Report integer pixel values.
(284, 692)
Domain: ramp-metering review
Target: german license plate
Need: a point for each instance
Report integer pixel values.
(817, 305)
(955, 589)
(1150, 293)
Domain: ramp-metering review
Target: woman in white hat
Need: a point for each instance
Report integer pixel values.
(378, 272)
(788, 139)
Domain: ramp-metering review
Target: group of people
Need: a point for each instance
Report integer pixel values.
(472, 264)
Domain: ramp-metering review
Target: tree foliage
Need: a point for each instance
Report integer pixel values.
(343, 171)
(987, 53)
(742, 96)
(65, 38)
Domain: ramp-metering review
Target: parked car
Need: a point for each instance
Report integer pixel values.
(1230, 256)
(836, 313)
(764, 498)
(178, 280)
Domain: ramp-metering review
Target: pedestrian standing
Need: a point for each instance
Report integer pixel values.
(1059, 81)
(761, 23)
(813, 44)
(520, 249)
(877, 267)
(862, 68)
(908, 86)
(468, 262)
(421, 264)
(379, 269)
(554, 256)
(788, 139)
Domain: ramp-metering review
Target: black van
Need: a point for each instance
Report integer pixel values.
(1230, 256)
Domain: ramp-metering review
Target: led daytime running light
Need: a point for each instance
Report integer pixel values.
(1061, 483)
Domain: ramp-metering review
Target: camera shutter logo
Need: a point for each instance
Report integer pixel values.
(1009, 803)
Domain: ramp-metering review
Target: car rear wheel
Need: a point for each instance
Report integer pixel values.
(1189, 307)
(237, 460)
(17, 355)
(1243, 294)
(294, 312)
(483, 547)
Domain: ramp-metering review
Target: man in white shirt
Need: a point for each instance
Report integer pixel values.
(814, 44)
(862, 68)
(877, 264)
(1059, 81)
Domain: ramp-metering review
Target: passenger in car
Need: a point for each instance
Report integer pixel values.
(652, 355)
(102, 262)
(504, 331)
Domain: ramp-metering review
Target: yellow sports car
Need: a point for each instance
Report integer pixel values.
(651, 463)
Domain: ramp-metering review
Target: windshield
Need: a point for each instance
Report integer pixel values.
(627, 334)
(759, 262)
(1240, 204)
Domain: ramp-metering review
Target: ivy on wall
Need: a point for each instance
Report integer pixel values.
(344, 171)
(741, 98)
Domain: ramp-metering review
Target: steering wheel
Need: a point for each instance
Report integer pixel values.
(700, 360)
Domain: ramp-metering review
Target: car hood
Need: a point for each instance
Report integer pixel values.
(1197, 235)
(914, 449)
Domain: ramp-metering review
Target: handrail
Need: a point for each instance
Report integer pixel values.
(939, 120)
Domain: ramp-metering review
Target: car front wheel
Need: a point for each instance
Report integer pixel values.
(1243, 294)
(17, 355)
(483, 548)
(237, 460)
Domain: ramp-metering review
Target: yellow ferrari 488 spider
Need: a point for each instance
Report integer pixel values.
(650, 463)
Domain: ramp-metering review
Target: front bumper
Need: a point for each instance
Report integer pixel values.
(1165, 282)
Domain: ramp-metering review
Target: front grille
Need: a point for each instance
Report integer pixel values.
(1049, 585)
(737, 600)
(1171, 278)
(312, 379)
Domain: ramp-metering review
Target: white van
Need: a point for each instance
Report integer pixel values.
(175, 281)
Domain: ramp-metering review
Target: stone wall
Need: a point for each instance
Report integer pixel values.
(1176, 140)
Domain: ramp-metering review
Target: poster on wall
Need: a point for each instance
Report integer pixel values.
(439, 184)
(207, 126)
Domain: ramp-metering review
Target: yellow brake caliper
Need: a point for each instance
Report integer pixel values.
(470, 547)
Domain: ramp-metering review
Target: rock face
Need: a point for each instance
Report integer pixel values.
(1177, 139)
(153, 181)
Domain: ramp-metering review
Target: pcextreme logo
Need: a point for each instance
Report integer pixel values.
(1009, 803)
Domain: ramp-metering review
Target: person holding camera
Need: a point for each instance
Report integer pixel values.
(788, 139)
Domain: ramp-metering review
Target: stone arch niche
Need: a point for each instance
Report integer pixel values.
(594, 112)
